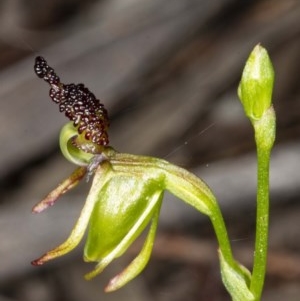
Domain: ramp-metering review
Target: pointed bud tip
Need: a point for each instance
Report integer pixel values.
(256, 86)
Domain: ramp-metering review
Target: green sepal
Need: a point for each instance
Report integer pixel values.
(236, 278)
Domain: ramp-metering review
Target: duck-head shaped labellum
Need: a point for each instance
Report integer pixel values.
(88, 115)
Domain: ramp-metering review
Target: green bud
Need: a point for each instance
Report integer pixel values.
(256, 86)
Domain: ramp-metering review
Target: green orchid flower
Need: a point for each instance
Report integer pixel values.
(118, 208)
(126, 191)
(125, 196)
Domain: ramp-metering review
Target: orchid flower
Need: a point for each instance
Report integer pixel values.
(126, 191)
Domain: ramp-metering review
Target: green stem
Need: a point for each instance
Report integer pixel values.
(264, 137)
(222, 235)
(262, 223)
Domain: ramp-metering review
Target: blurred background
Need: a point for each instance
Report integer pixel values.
(167, 71)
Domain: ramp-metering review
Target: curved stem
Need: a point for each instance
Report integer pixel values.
(195, 197)
(194, 191)
(222, 236)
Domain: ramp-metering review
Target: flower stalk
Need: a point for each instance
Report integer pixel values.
(255, 92)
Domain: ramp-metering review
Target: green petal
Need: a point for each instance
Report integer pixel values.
(61, 189)
(101, 177)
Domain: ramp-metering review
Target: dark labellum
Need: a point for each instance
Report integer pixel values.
(79, 104)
